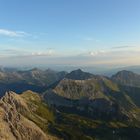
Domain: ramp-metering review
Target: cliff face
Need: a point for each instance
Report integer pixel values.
(14, 123)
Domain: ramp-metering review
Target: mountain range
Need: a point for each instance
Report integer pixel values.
(35, 79)
(69, 106)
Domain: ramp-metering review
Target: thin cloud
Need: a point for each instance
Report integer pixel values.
(91, 39)
(123, 47)
(11, 33)
(26, 53)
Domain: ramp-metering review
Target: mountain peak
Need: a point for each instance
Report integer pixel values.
(79, 75)
(35, 69)
(127, 78)
(79, 70)
(125, 71)
(124, 74)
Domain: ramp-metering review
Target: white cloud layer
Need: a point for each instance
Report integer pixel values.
(10, 33)
(49, 52)
(50, 56)
(95, 53)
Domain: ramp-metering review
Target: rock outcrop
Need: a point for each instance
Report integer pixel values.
(14, 125)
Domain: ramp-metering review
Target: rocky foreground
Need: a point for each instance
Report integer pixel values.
(16, 115)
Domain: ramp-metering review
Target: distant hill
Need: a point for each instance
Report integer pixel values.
(112, 71)
(127, 78)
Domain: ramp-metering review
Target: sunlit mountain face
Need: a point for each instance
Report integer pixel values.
(69, 70)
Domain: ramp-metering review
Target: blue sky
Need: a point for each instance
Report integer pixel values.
(70, 32)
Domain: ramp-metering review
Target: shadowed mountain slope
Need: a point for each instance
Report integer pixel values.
(35, 79)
